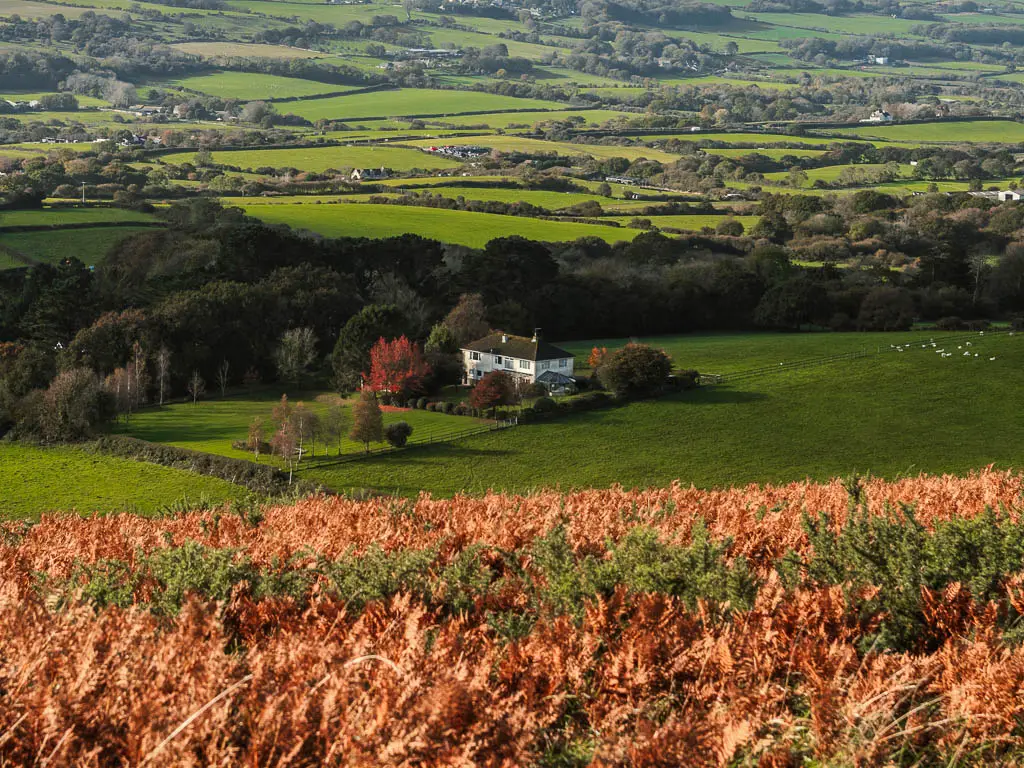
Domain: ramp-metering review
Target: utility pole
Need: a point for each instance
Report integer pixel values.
(83, 191)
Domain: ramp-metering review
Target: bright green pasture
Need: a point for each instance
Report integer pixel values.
(322, 158)
(57, 216)
(539, 146)
(893, 414)
(212, 425)
(831, 172)
(474, 229)
(249, 86)
(689, 221)
(39, 480)
(410, 101)
(87, 245)
(996, 131)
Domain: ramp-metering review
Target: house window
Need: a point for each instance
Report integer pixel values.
(509, 362)
(544, 366)
(474, 355)
(563, 363)
(524, 364)
(497, 359)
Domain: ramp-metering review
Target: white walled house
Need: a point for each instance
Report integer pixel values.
(522, 358)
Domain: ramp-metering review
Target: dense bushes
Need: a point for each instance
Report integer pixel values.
(635, 369)
(261, 478)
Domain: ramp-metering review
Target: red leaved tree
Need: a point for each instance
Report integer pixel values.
(397, 368)
(494, 389)
(597, 356)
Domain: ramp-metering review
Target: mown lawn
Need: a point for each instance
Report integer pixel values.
(38, 480)
(212, 425)
(474, 229)
(893, 414)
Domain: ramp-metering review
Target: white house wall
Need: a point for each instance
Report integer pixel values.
(486, 364)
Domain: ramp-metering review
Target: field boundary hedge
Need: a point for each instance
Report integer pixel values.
(260, 478)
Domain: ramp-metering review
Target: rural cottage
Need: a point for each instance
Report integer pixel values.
(529, 360)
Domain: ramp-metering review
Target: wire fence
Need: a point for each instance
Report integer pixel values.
(429, 439)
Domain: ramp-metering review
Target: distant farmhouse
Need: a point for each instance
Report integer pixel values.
(371, 174)
(878, 116)
(527, 360)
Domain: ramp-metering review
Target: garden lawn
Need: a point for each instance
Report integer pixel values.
(894, 414)
(212, 425)
(463, 227)
(39, 480)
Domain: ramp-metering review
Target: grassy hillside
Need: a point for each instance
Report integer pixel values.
(38, 480)
(901, 412)
(476, 229)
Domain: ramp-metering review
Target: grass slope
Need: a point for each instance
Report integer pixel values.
(411, 101)
(474, 229)
(212, 425)
(39, 480)
(87, 245)
(322, 158)
(892, 414)
(248, 85)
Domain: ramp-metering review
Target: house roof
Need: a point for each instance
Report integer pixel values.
(554, 377)
(517, 346)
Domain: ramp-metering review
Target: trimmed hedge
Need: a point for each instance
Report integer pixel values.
(260, 478)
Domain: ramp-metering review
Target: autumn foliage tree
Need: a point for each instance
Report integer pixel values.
(367, 420)
(494, 389)
(597, 357)
(398, 368)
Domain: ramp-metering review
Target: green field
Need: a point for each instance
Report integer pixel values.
(57, 216)
(212, 425)
(88, 245)
(40, 480)
(896, 413)
(1001, 131)
(322, 158)
(465, 228)
(249, 86)
(410, 101)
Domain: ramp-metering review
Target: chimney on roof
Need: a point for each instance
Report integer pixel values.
(536, 335)
(504, 338)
